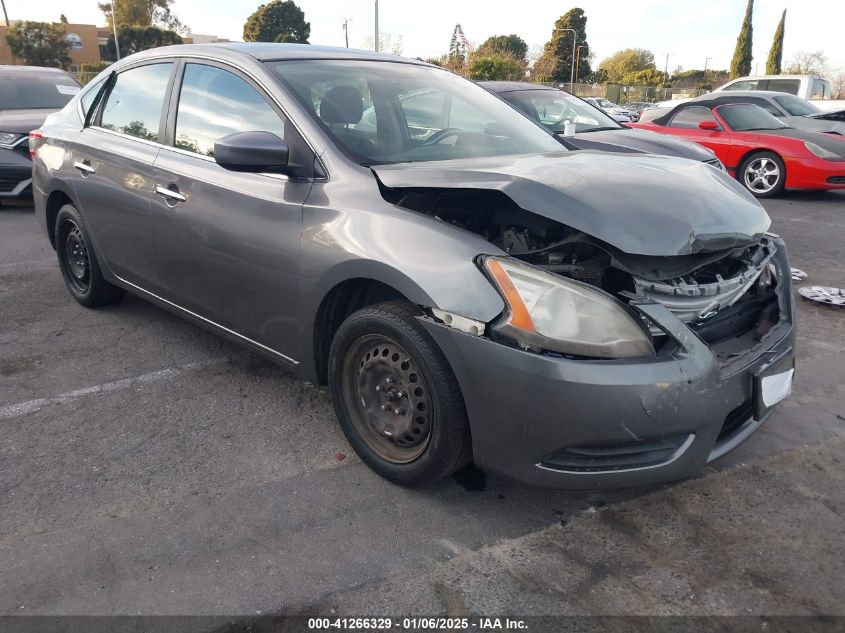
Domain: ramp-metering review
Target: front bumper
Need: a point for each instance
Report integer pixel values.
(15, 174)
(814, 173)
(530, 413)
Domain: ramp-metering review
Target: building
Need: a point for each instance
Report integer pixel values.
(89, 44)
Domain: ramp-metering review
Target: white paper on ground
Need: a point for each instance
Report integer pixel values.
(777, 387)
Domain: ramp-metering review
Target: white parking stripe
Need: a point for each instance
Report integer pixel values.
(23, 408)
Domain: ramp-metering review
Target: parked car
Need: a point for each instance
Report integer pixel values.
(640, 106)
(619, 114)
(571, 319)
(794, 111)
(810, 87)
(552, 108)
(760, 150)
(27, 95)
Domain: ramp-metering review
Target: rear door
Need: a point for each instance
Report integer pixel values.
(227, 242)
(685, 123)
(113, 164)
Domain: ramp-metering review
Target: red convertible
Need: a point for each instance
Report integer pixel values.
(758, 149)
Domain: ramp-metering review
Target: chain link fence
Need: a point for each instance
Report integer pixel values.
(626, 94)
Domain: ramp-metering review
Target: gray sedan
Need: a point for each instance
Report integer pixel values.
(467, 289)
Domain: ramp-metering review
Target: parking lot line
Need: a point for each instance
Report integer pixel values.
(161, 375)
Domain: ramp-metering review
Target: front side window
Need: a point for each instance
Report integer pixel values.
(784, 85)
(133, 105)
(368, 109)
(214, 103)
(689, 118)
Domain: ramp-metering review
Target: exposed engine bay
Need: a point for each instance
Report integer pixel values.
(721, 294)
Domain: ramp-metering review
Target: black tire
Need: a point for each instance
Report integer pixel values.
(430, 439)
(78, 264)
(767, 186)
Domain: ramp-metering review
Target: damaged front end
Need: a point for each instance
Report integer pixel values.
(728, 296)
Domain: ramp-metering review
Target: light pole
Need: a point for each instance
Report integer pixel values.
(376, 38)
(666, 67)
(572, 71)
(346, 30)
(114, 28)
(5, 13)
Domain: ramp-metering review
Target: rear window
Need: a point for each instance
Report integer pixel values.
(20, 90)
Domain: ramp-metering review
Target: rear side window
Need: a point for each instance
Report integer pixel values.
(133, 105)
(91, 93)
(689, 118)
(742, 85)
(214, 103)
(784, 85)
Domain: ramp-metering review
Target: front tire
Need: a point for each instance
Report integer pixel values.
(396, 397)
(763, 174)
(78, 264)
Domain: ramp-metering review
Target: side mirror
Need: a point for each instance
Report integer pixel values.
(708, 125)
(253, 152)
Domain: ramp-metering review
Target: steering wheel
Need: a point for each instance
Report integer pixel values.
(445, 133)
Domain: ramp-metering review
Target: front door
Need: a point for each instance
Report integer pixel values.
(227, 242)
(113, 170)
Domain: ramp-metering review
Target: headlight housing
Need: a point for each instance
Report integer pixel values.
(821, 152)
(7, 138)
(563, 315)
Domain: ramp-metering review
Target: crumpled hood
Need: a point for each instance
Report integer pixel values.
(631, 140)
(23, 121)
(641, 204)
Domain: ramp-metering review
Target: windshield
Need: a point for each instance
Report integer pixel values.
(604, 103)
(389, 112)
(21, 90)
(796, 106)
(553, 109)
(747, 117)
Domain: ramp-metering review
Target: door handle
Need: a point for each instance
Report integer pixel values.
(85, 168)
(171, 195)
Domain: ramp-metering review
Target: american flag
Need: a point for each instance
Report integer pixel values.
(463, 40)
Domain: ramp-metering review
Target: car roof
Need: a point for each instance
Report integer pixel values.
(269, 51)
(725, 94)
(711, 100)
(513, 86)
(759, 77)
(9, 70)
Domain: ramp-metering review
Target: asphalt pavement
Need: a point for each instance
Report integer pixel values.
(149, 467)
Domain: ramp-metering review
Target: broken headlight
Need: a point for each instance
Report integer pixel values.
(550, 312)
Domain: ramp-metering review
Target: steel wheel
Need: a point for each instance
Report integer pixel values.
(388, 398)
(761, 175)
(76, 258)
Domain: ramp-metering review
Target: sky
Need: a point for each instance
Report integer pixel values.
(689, 30)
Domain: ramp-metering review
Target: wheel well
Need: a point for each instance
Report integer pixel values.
(751, 152)
(55, 202)
(345, 298)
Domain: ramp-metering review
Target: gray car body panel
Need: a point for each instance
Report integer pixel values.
(305, 238)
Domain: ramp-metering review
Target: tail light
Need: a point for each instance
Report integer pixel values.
(33, 136)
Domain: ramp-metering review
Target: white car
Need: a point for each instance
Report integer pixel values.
(617, 112)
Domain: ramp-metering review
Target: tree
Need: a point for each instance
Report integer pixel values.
(38, 43)
(626, 62)
(277, 21)
(741, 62)
(143, 13)
(133, 39)
(457, 55)
(773, 63)
(837, 87)
(495, 66)
(645, 77)
(809, 63)
(512, 45)
(386, 43)
(63, 18)
(555, 63)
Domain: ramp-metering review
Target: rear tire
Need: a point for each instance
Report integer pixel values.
(78, 263)
(763, 174)
(396, 397)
